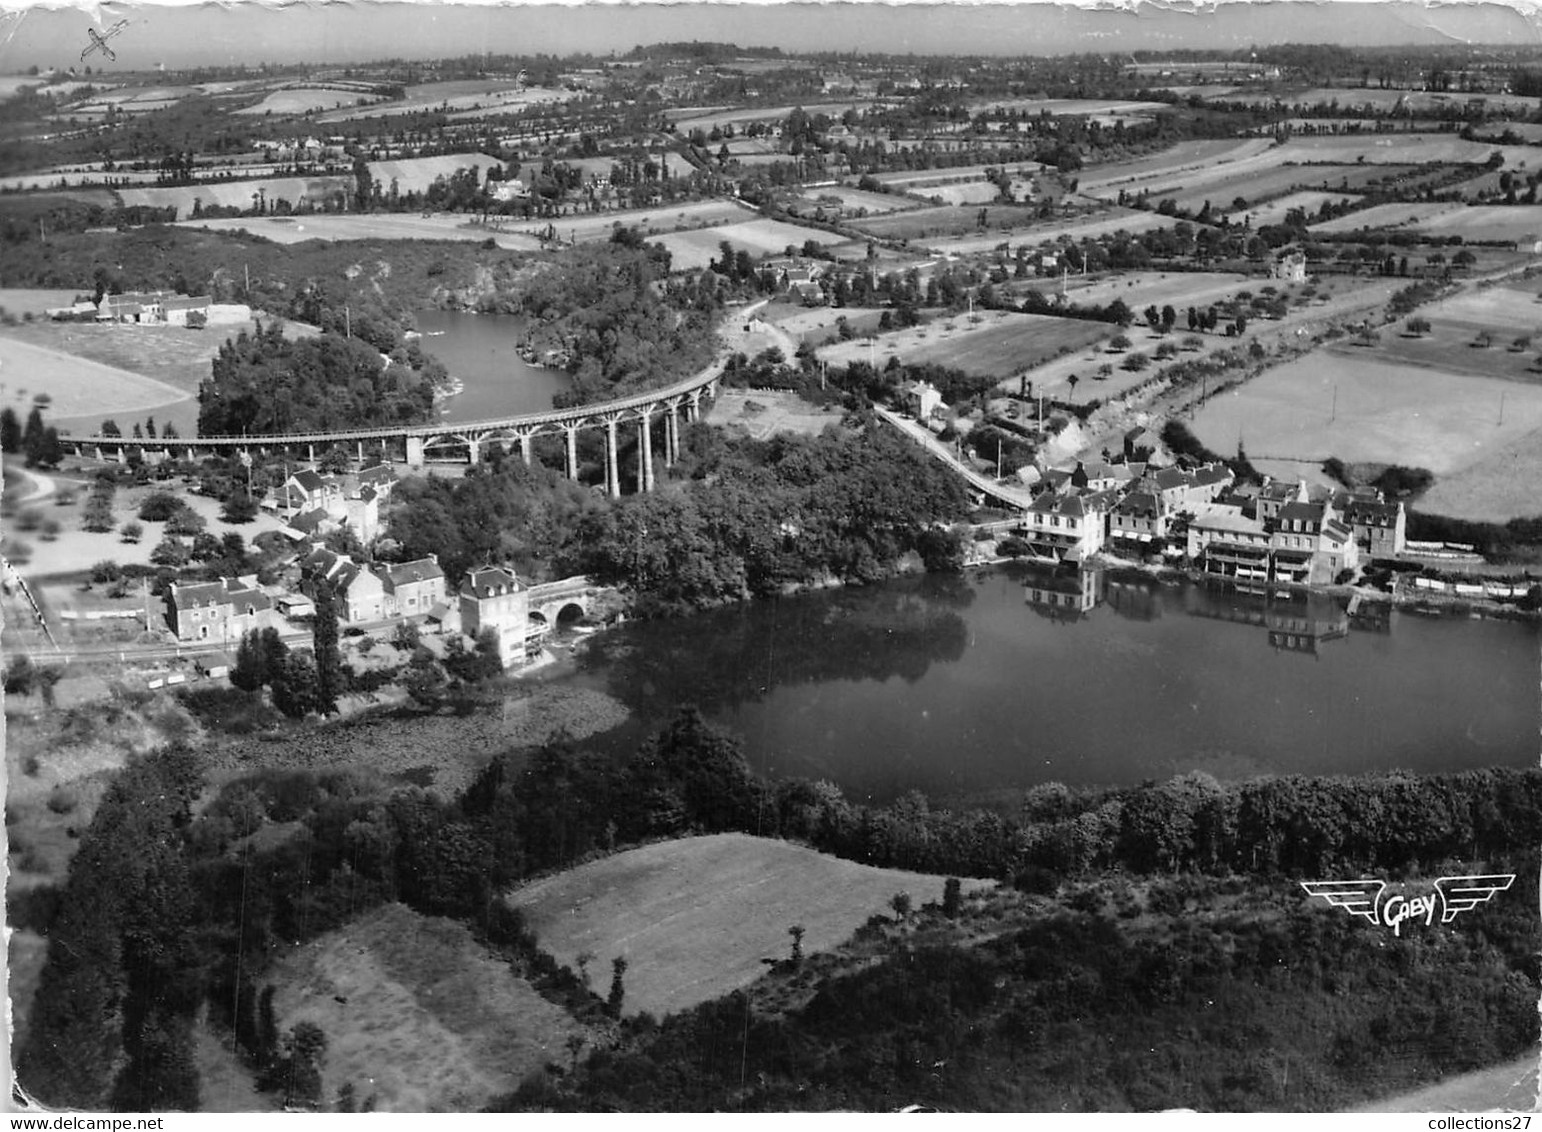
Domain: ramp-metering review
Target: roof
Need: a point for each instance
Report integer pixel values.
(308, 521)
(308, 480)
(490, 581)
(1366, 513)
(1227, 520)
(368, 494)
(1169, 478)
(1139, 503)
(1302, 512)
(379, 474)
(1212, 473)
(405, 573)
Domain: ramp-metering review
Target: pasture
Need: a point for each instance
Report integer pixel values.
(1275, 211)
(1360, 407)
(466, 98)
(996, 344)
(763, 413)
(855, 200)
(1072, 107)
(418, 1014)
(917, 180)
(1410, 214)
(926, 224)
(1140, 289)
(1483, 222)
(303, 100)
(1256, 187)
(415, 174)
(696, 248)
(969, 192)
(76, 385)
(236, 194)
(1203, 154)
(694, 918)
(818, 324)
(1400, 149)
(1089, 226)
(377, 226)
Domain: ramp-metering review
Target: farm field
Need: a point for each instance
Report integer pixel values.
(380, 226)
(668, 218)
(1181, 289)
(876, 204)
(76, 385)
(909, 179)
(735, 117)
(418, 1014)
(1515, 310)
(693, 918)
(1002, 344)
(1186, 155)
(303, 101)
(418, 173)
(696, 248)
(235, 194)
(1071, 106)
(1401, 149)
(970, 192)
(1274, 212)
(463, 99)
(20, 301)
(1364, 408)
(1519, 222)
(1102, 223)
(1410, 214)
(924, 224)
(1415, 100)
(815, 324)
(1451, 346)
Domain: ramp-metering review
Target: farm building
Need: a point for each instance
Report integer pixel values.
(1290, 267)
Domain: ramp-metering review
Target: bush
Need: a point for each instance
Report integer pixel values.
(62, 801)
(160, 506)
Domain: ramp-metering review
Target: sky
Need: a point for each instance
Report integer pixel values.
(250, 31)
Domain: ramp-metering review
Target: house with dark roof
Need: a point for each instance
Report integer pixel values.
(1069, 525)
(1137, 520)
(308, 490)
(216, 611)
(1380, 529)
(360, 593)
(494, 598)
(413, 588)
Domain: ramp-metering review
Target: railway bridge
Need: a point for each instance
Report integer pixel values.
(417, 444)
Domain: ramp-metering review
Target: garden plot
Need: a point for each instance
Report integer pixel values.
(996, 344)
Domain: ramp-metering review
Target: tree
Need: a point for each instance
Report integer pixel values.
(159, 506)
(951, 897)
(1072, 381)
(329, 663)
(96, 516)
(796, 931)
(1417, 326)
(617, 988)
(20, 676)
(185, 521)
(900, 902)
(424, 679)
(239, 508)
(294, 686)
(10, 431)
(132, 532)
(170, 551)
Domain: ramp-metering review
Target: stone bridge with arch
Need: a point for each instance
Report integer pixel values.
(654, 410)
(553, 602)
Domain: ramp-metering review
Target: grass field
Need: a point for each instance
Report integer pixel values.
(1411, 214)
(20, 300)
(927, 224)
(76, 384)
(1363, 408)
(762, 413)
(919, 180)
(815, 324)
(1072, 106)
(1089, 227)
(303, 101)
(696, 248)
(736, 116)
(1400, 149)
(1274, 212)
(466, 98)
(1258, 187)
(377, 226)
(1520, 222)
(853, 199)
(694, 918)
(970, 192)
(418, 1014)
(1140, 289)
(1184, 156)
(1000, 345)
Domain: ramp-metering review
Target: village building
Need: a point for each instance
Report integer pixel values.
(922, 398)
(494, 598)
(307, 490)
(413, 588)
(1071, 525)
(360, 593)
(1137, 521)
(221, 611)
(1380, 529)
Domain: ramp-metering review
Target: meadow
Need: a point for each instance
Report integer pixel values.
(695, 249)
(1089, 226)
(997, 344)
(1274, 212)
(1203, 154)
(940, 221)
(303, 100)
(698, 918)
(418, 1014)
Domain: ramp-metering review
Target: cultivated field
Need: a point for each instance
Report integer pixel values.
(1519, 222)
(415, 174)
(742, 115)
(1274, 212)
(1140, 289)
(1418, 101)
(1184, 156)
(236, 194)
(19, 301)
(1092, 226)
(378, 226)
(1072, 106)
(852, 200)
(970, 192)
(304, 100)
(1256, 186)
(1001, 344)
(417, 1014)
(816, 324)
(76, 385)
(695, 249)
(1400, 149)
(919, 180)
(694, 918)
(762, 413)
(1410, 214)
(1366, 409)
(467, 98)
(946, 220)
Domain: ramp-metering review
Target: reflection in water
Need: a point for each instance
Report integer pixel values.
(722, 658)
(976, 686)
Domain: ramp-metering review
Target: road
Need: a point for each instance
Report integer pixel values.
(1019, 497)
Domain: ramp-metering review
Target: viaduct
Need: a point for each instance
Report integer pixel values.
(419, 443)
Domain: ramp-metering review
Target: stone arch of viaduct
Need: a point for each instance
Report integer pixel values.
(419, 443)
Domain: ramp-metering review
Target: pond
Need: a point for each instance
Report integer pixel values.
(972, 689)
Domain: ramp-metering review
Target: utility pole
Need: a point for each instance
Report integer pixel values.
(1501, 406)
(347, 322)
(246, 270)
(1335, 414)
